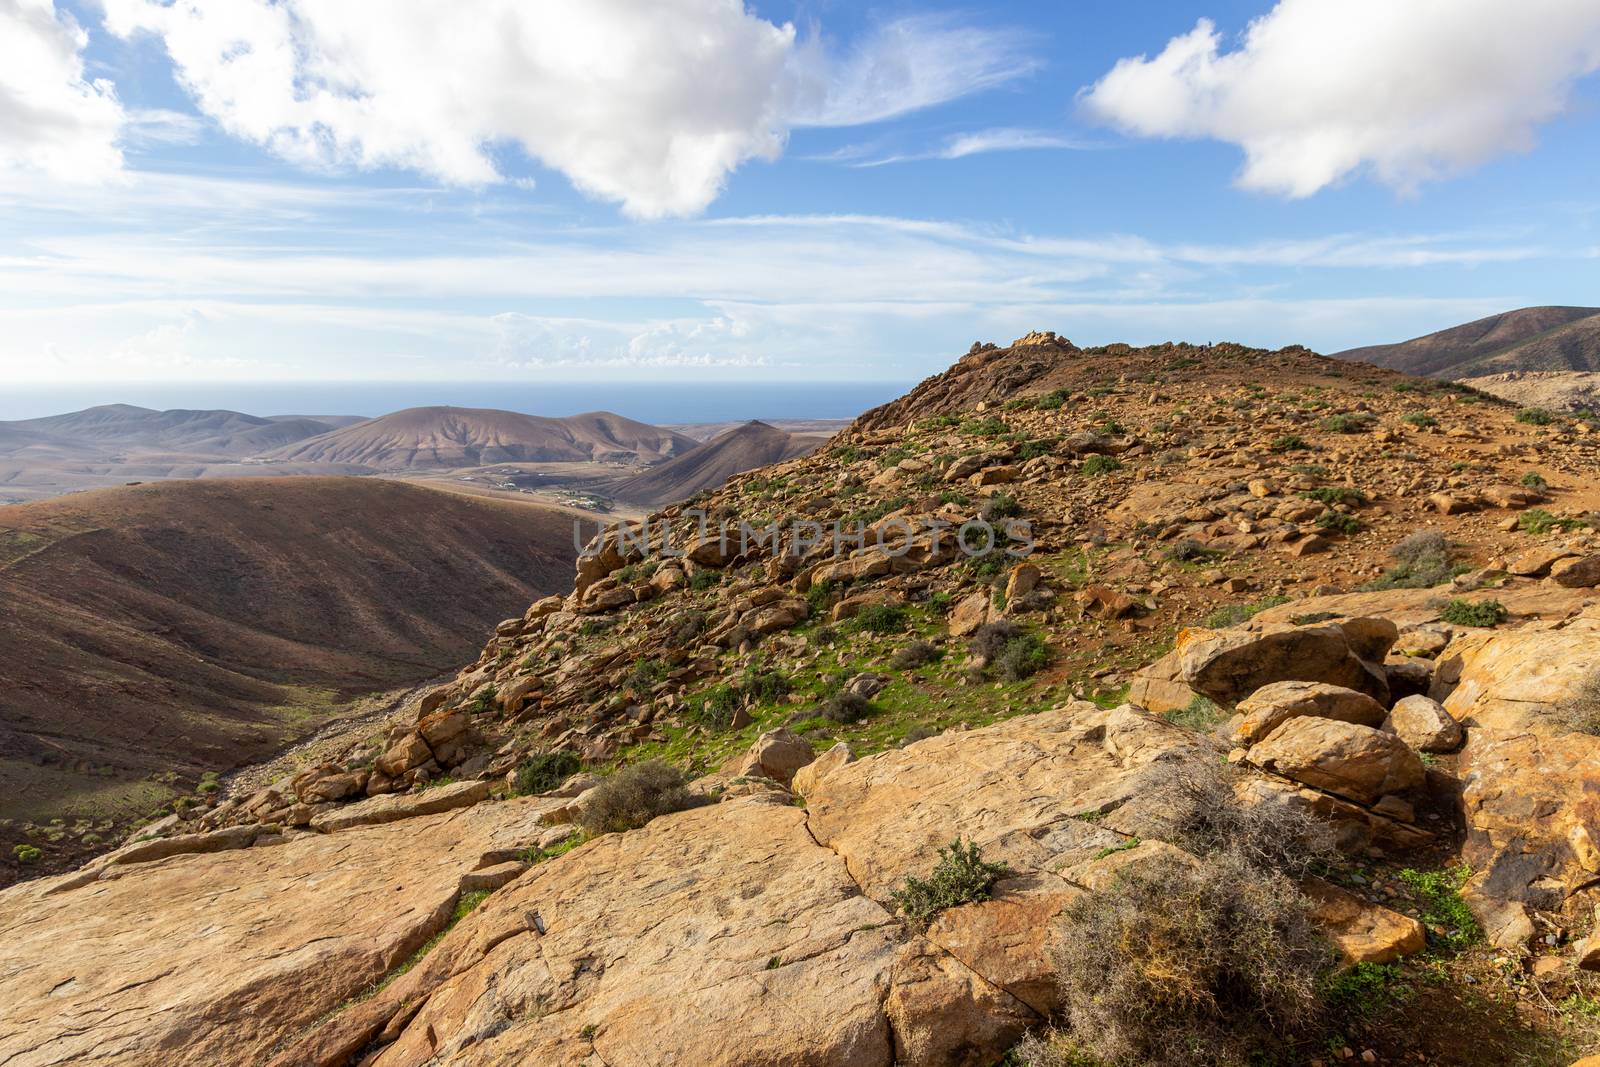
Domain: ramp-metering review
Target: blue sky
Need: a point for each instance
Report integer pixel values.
(681, 191)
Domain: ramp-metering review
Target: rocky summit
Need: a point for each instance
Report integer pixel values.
(1185, 704)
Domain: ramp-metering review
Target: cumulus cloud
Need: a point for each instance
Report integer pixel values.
(51, 118)
(647, 103)
(1317, 89)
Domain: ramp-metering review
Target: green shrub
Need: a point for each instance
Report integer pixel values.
(1000, 506)
(763, 686)
(483, 700)
(1095, 466)
(633, 796)
(1034, 449)
(704, 579)
(1535, 417)
(1474, 612)
(880, 619)
(1052, 400)
(1311, 470)
(646, 673)
(27, 854)
(545, 771)
(844, 707)
(1331, 495)
(1417, 418)
(1538, 522)
(716, 707)
(1291, 443)
(1449, 920)
(985, 427)
(1534, 481)
(1023, 656)
(1337, 522)
(635, 572)
(1352, 422)
(961, 876)
(1177, 965)
(1422, 561)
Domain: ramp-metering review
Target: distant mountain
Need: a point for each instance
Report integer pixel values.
(1529, 339)
(437, 437)
(94, 432)
(195, 625)
(755, 444)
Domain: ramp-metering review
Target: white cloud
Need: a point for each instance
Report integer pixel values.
(961, 145)
(905, 65)
(51, 118)
(1318, 89)
(1003, 140)
(647, 103)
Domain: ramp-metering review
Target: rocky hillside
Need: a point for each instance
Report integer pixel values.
(445, 437)
(755, 444)
(1529, 339)
(155, 634)
(1278, 746)
(1576, 392)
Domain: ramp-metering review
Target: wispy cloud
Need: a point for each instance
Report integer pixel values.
(957, 146)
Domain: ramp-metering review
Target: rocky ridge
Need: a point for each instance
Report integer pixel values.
(1183, 569)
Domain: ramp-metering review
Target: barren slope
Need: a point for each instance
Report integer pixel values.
(1537, 339)
(193, 626)
(755, 444)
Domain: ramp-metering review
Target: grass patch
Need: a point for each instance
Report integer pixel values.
(1234, 614)
(1538, 521)
(1202, 715)
(1447, 916)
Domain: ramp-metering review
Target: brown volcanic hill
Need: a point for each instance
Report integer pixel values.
(472, 437)
(755, 444)
(1535, 339)
(193, 626)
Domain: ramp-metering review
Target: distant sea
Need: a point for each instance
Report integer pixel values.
(646, 402)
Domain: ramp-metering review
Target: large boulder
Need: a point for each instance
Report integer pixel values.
(1229, 665)
(1272, 705)
(1352, 761)
(776, 754)
(1425, 725)
(1530, 783)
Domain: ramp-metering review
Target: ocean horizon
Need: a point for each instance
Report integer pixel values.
(646, 402)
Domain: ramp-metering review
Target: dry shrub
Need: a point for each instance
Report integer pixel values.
(915, 654)
(1200, 813)
(1580, 712)
(1180, 965)
(990, 639)
(633, 796)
